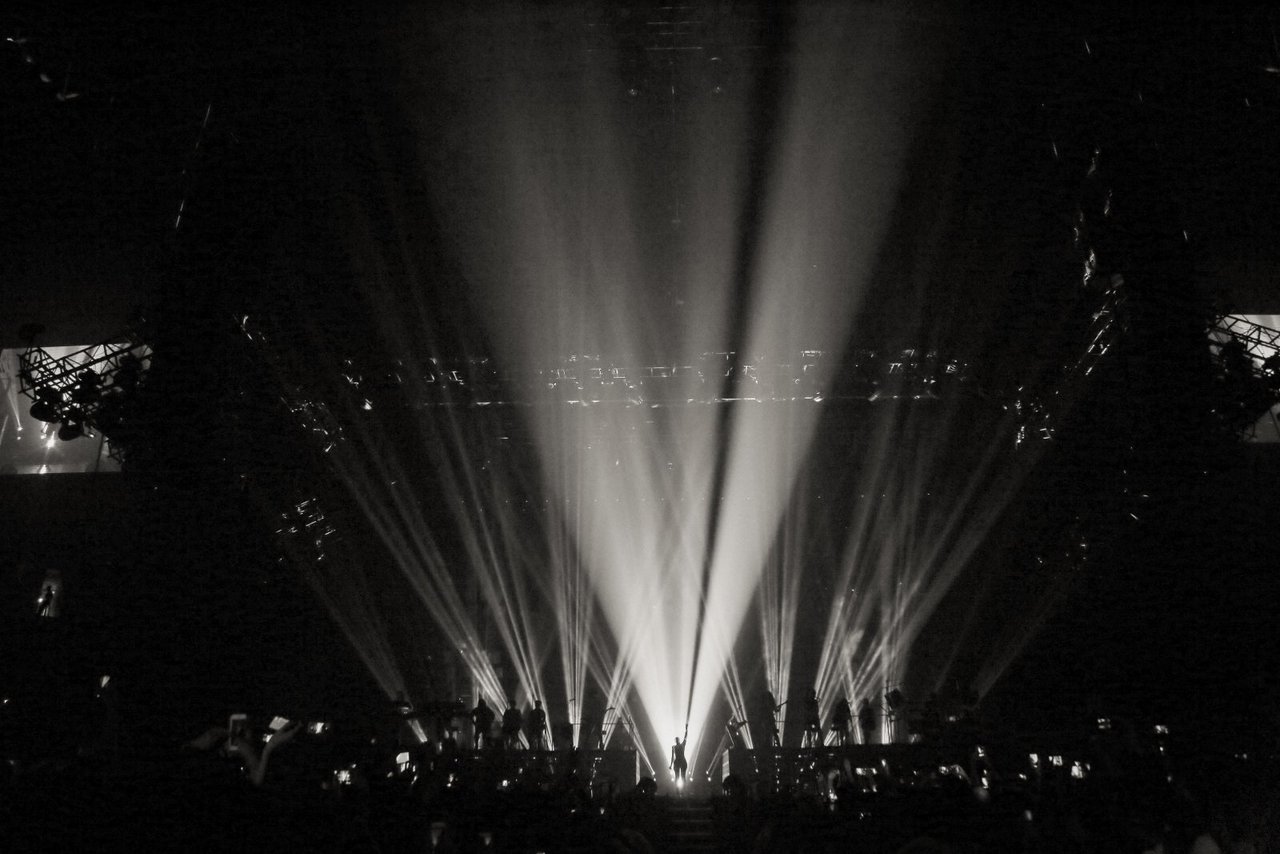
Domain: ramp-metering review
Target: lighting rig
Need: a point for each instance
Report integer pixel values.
(88, 389)
(587, 380)
(1039, 414)
(1247, 356)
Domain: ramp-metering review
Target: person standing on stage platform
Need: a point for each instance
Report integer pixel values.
(812, 721)
(841, 720)
(481, 724)
(679, 764)
(867, 722)
(767, 722)
(511, 722)
(537, 727)
(731, 729)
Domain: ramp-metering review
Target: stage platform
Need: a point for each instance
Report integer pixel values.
(790, 766)
(599, 768)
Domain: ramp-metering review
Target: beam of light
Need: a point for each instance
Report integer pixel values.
(821, 231)
(378, 484)
(364, 631)
(668, 522)
(1017, 634)
(342, 583)
(342, 586)
(573, 604)
(778, 601)
(737, 699)
(911, 535)
(544, 208)
(494, 552)
(475, 480)
(737, 712)
(398, 522)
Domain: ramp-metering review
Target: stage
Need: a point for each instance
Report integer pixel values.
(783, 767)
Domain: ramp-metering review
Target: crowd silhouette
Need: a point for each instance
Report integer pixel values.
(266, 782)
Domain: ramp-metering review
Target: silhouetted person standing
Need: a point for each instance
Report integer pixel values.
(731, 730)
(511, 721)
(44, 603)
(841, 720)
(867, 722)
(481, 723)
(767, 721)
(49, 603)
(537, 727)
(812, 721)
(678, 763)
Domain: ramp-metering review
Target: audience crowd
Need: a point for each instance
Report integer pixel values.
(278, 785)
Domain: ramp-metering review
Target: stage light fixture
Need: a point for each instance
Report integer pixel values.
(88, 387)
(47, 405)
(128, 372)
(44, 412)
(70, 430)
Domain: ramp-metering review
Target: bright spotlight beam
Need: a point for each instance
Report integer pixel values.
(769, 91)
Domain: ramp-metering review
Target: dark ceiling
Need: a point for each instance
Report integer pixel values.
(106, 141)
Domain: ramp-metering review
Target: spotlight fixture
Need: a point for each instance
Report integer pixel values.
(47, 405)
(70, 430)
(88, 387)
(128, 372)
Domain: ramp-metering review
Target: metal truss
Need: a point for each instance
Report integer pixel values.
(1039, 415)
(593, 379)
(1261, 343)
(1248, 357)
(40, 369)
(75, 388)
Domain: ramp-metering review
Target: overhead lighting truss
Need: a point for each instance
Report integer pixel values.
(1247, 357)
(1040, 415)
(84, 389)
(1260, 343)
(587, 380)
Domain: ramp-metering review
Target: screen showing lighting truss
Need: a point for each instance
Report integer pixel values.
(31, 446)
(1254, 342)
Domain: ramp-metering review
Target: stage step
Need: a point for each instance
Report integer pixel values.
(692, 826)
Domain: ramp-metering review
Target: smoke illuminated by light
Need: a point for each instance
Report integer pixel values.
(643, 493)
(628, 541)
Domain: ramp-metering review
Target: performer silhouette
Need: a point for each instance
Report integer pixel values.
(768, 720)
(44, 604)
(812, 721)
(678, 763)
(511, 722)
(537, 727)
(731, 729)
(481, 723)
(867, 721)
(841, 719)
